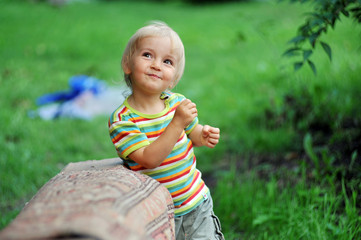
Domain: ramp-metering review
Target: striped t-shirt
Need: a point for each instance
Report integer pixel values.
(131, 130)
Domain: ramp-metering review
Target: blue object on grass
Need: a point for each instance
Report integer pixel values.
(87, 97)
(78, 84)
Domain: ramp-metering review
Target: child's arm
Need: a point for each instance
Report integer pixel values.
(205, 136)
(154, 154)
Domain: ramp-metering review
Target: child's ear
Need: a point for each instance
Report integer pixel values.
(126, 67)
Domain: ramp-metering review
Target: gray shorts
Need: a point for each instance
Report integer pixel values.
(201, 223)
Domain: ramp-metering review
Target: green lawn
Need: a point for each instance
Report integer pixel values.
(235, 73)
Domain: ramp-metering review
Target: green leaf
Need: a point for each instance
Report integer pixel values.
(345, 12)
(353, 159)
(304, 29)
(292, 52)
(313, 39)
(315, 15)
(356, 14)
(327, 49)
(355, 9)
(316, 22)
(260, 219)
(307, 54)
(297, 65)
(307, 145)
(312, 66)
(297, 39)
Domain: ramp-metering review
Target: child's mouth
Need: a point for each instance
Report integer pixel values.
(154, 76)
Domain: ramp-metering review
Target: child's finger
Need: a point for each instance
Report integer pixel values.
(213, 141)
(211, 132)
(215, 130)
(205, 130)
(214, 135)
(187, 102)
(189, 105)
(211, 144)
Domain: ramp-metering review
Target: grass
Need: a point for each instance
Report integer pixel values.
(283, 207)
(236, 75)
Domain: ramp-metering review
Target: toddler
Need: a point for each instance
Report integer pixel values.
(154, 130)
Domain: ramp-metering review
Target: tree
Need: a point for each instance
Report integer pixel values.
(326, 14)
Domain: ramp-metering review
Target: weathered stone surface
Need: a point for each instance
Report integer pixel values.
(98, 199)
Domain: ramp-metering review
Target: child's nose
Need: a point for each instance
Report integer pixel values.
(155, 64)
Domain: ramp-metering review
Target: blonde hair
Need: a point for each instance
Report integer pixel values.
(155, 29)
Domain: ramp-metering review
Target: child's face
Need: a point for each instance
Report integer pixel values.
(153, 65)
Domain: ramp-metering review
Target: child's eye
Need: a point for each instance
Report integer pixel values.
(168, 62)
(146, 54)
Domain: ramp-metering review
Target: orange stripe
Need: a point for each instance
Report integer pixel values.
(179, 156)
(186, 189)
(174, 176)
(133, 146)
(138, 119)
(137, 167)
(121, 112)
(123, 134)
(155, 133)
(199, 188)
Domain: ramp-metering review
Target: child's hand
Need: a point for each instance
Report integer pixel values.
(210, 136)
(185, 113)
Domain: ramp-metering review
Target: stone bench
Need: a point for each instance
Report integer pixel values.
(96, 199)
